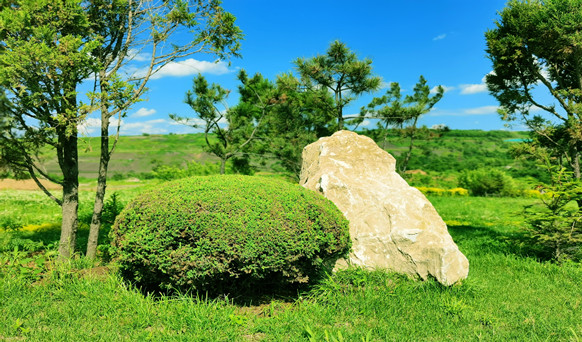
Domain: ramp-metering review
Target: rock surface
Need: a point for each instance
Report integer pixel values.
(392, 225)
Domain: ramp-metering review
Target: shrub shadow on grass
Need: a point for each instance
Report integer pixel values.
(239, 292)
(480, 239)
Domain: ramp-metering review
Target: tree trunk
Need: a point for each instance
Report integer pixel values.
(222, 165)
(340, 117)
(385, 136)
(338, 103)
(409, 153)
(576, 163)
(101, 187)
(576, 167)
(69, 163)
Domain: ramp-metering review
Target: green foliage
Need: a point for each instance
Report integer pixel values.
(227, 233)
(242, 165)
(488, 182)
(556, 223)
(50, 47)
(42, 62)
(235, 136)
(403, 114)
(531, 36)
(297, 117)
(9, 223)
(534, 49)
(24, 266)
(395, 111)
(111, 208)
(340, 71)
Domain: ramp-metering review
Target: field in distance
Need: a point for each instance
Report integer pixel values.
(452, 151)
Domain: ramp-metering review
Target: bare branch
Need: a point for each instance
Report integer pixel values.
(43, 188)
(552, 91)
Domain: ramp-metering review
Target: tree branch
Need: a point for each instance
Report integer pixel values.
(42, 187)
(263, 108)
(554, 94)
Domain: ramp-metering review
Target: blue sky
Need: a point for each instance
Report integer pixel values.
(442, 40)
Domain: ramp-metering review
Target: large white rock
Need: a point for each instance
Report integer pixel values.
(392, 225)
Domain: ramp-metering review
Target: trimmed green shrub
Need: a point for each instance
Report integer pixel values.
(488, 182)
(229, 233)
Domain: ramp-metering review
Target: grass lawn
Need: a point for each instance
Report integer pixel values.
(509, 295)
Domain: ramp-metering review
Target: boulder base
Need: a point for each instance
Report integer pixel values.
(392, 225)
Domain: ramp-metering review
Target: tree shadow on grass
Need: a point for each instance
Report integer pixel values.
(480, 239)
(46, 237)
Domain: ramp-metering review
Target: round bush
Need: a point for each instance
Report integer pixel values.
(227, 233)
(488, 182)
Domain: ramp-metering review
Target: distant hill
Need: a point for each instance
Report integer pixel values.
(458, 150)
(137, 153)
(455, 150)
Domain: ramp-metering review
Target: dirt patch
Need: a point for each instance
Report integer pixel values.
(98, 272)
(415, 172)
(266, 309)
(27, 184)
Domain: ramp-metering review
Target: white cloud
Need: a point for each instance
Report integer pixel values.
(89, 126)
(438, 126)
(546, 73)
(385, 85)
(440, 37)
(143, 112)
(190, 67)
(469, 89)
(157, 126)
(136, 55)
(482, 110)
(446, 89)
(191, 122)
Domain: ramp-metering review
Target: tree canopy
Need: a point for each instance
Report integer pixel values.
(298, 116)
(392, 110)
(50, 47)
(536, 50)
(340, 71)
(536, 46)
(234, 129)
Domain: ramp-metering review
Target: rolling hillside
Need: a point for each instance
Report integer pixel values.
(454, 151)
(137, 153)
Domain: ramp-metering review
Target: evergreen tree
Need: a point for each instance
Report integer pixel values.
(340, 71)
(392, 110)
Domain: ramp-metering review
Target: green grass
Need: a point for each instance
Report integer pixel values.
(510, 295)
(25, 207)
